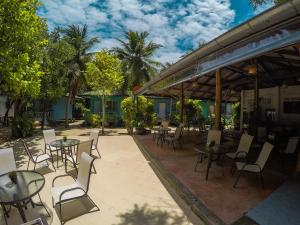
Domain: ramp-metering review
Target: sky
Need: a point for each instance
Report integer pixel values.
(178, 25)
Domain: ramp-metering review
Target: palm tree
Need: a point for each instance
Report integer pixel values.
(256, 3)
(136, 54)
(77, 36)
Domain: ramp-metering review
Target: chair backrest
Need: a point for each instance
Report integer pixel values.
(214, 135)
(27, 149)
(165, 124)
(49, 136)
(178, 131)
(94, 135)
(86, 147)
(264, 154)
(7, 160)
(84, 172)
(245, 143)
(292, 145)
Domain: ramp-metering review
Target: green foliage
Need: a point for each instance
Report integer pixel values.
(136, 54)
(22, 41)
(55, 65)
(236, 109)
(22, 126)
(92, 120)
(138, 116)
(104, 74)
(192, 113)
(80, 107)
(256, 3)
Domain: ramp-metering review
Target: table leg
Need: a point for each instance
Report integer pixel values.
(208, 165)
(22, 214)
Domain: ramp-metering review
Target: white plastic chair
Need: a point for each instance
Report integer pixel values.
(94, 135)
(78, 189)
(243, 148)
(291, 146)
(35, 159)
(7, 161)
(49, 136)
(256, 167)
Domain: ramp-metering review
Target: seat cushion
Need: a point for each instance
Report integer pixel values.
(231, 155)
(41, 158)
(247, 167)
(56, 191)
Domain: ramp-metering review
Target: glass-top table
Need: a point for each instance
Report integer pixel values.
(18, 194)
(215, 154)
(67, 146)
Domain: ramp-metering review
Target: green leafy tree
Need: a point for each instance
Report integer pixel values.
(137, 55)
(55, 65)
(256, 3)
(77, 36)
(104, 76)
(22, 41)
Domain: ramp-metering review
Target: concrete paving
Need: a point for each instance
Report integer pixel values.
(125, 188)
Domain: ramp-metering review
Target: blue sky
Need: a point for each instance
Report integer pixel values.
(178, 25)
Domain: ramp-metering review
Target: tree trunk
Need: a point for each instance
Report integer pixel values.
(103, 112)
(44, 114)
(67, 111)
(8, 107)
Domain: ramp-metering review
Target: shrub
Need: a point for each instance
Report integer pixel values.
(22, 126)
(92, 120)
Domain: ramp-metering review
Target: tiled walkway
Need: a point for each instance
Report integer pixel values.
(217, 194)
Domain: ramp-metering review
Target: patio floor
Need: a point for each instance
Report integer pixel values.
(217, 193)
(125, 188)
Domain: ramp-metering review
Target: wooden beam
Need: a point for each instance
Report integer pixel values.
(218, 100)
(181, 102)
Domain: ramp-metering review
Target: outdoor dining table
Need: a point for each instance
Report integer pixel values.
(215, 153)
(19, 193)
(162, 132)
(66, 146)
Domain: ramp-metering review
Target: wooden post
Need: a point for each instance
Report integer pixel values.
(242, 110)
(181, 102)
(218, 100)
(256, 104)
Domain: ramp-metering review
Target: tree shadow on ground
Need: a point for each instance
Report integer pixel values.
(145, 215)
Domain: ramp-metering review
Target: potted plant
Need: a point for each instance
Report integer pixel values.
(13, 176)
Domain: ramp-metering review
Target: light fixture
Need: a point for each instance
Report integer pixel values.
(252, 69)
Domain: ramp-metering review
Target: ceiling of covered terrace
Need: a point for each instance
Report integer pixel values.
(271, 41)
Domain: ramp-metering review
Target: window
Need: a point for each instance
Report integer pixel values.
(111, 106)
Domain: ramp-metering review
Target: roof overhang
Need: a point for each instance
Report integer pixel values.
(270, 37)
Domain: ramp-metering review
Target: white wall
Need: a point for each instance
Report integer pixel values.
(273, 98)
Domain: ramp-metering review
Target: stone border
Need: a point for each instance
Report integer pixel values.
(182, 193)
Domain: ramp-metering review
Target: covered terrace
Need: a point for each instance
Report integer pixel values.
(258, 65)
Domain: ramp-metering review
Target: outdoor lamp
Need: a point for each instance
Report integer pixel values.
(252, 69)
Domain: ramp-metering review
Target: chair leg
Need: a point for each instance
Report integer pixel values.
(4, 214)
(53, 165)
(34, 166)
(237, 179)
(28, 164)
(60, 214)
(98, 153)
(173, 144)
(94, 169)
(43, 205)
(262, 180)
(199, 157)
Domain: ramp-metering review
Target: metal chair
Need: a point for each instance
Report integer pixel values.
(165, 124)
(256, 167)
(212, 136)
(243, 147)
(94, 135)
(78, 189)
(7, 161)
(290, 149)
(86, 147)
(35, 159)
(49, 136)
(7, 164)
(175, 138)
